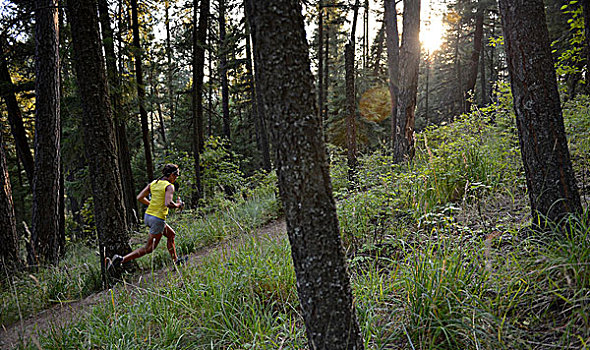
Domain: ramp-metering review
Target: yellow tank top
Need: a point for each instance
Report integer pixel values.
(157, 205)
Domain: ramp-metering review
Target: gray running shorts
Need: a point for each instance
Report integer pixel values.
(155, 224)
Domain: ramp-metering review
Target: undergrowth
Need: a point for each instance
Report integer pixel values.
(440, 251)
(78, 274)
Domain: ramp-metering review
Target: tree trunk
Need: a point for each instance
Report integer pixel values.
(99, 133)
(9, 249)
(366, 36)
(320, 58)
(469, 91)
(257, 106)
(548, 168)
(482, 72)
(223, 72)
(15, 120)
(493, 69)
(427, 94)
(586, 14)
(141, 93)
(124, 158)
(392, 43)
(459, 94)
(325, 112)
(349, 56)
(169, 68)
(287, 85)
(45, 223)
(162, 127)
(378, 47)
(210, 87)
(199, 38)
(408, 81)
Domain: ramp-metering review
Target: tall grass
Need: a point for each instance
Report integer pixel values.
(78, 274)
(243, 300)
(425, 274)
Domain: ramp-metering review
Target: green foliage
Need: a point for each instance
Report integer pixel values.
(220, 167)
(577, 126)
(423, 276)
(570, 48)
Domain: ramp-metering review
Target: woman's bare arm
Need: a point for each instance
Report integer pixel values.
(142, 196)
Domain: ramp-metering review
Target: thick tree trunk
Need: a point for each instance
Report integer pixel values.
(46, 190)
(548, 168)
(199, 38)
(586, 14)
(408, 81)
(392, 43)
(287, 85)
(320, 58)
(325, 112)
(349, 56)
(257, 107)
(9, 259)
(15, 120)
(99, 133)
(469, 91)
(124, 158)
(141, 92)
(223, 72)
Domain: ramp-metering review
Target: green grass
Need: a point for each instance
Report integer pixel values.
(243, 300)
(78, 274)
(440, 251)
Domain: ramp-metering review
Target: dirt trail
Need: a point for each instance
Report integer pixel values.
(26, 331)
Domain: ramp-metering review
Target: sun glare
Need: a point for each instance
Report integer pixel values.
(431, 36)
(432, 28)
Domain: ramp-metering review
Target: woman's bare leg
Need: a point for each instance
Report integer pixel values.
(149, 247)
(169, 233)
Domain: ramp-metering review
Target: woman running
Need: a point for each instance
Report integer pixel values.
(162, 191)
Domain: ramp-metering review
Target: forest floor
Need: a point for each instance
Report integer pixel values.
(27, 330)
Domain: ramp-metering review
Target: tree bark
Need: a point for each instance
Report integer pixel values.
(326, 111)
(459, 95)
(45, 222)
(199, 38)
(124, 158)
(408, 80)
(141, 92)
(223, 72)
(320, 58)
(482, 72)
(586, 14)
(169, 68)
(99, 133)
(349, 58)
(15, 120)
(548, 168)
(378, 47)
(287, 86)
(474, 62)
(9, 248)
(392, 43)
(257, 106)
